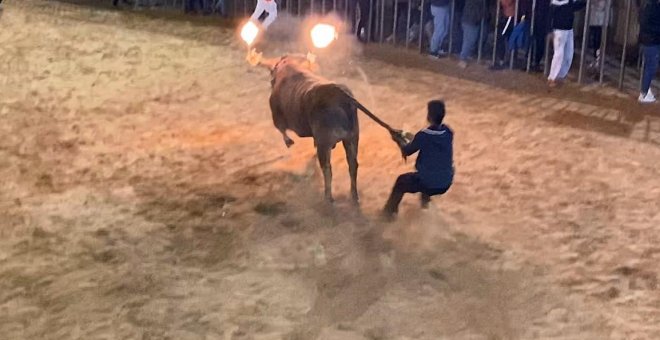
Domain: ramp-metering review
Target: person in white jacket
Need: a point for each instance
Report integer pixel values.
(268, 6)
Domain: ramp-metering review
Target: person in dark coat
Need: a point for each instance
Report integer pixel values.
(435, 166)
(649, 38)
(541, 30)
(474, 11)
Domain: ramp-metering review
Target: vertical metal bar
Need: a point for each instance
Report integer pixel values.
(311, 7)
(480, 49)
(603, 42)
(382, 22)
(514, 51)
(300, 7)
(244, 8)
(622, 69)
(371, 21)
(334, 5)
(497, 33)
(346, 18)
(546, 61)
(532, 33)
(394, 24)
(323, 7)
(585, 32)
(451, 27)
(641, 73)
(408, 24)
(421, 27)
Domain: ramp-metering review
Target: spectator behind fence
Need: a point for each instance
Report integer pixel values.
(597, 19)
(474, 12)
(649, 37)
(503, 32)
(541, 30)
(191, 8)
(562, 16)
(440, 9)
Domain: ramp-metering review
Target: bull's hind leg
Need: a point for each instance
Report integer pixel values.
(323, 153)
(351, 147)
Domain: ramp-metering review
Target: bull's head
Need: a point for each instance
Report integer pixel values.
(307, 62)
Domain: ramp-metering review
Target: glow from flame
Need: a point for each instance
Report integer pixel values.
(249, 32)
(323, 35)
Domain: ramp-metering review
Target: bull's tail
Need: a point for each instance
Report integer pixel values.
(399, 137)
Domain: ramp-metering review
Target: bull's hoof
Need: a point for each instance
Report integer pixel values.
(329, 199)
(289, 142)
(355, 201)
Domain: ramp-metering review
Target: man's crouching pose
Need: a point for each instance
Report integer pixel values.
(435, 168)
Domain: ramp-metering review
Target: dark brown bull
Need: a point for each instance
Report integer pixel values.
(312, 106)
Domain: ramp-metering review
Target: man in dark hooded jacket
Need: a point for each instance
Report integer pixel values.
(649, 37)
(435, 167)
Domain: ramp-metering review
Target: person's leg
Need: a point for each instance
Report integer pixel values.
(271, 9)
(470, 38)
(500, 52)
(651, 56)
(258, 10)
(559, 42)
(406, 183)
(436, 12)
(445, 17)
(568, 55)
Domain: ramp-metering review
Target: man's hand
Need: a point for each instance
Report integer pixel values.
(400, 137)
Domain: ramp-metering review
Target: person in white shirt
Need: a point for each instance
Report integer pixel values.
(268, 6)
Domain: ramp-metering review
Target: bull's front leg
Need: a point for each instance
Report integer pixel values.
(323, 153)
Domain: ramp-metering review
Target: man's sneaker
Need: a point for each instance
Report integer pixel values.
(552, 83)
(438, 55)
(463, 64)
(647, 98)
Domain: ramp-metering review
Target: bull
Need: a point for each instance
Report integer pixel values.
(312, 106)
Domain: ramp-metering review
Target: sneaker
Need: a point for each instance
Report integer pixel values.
(647, 98)
(552, 83)
(438, 55)
(463, 64)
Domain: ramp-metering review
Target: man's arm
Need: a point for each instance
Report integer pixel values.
(412, 147)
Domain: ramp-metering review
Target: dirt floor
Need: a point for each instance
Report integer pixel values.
(144, 194)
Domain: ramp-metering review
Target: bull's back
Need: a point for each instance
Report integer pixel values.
(314, 107)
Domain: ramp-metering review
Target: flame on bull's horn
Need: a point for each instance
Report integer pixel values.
(323, 35)
(249, 32)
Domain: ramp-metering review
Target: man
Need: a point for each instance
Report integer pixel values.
(597, 19)
(649, 37)
(563, 15)
(268, 6)
(435, 168)
(504, 30)
(473, 13)
(541, 30)
(440, 9)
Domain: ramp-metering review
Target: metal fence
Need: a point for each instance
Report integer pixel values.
(408, 24)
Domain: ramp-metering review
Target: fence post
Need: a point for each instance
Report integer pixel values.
(497, 30)
(381, 23)
(395, 21)
(546, 61)
(531, 49)
(513, 51)
(603, 45)
(451, 27)
(622, 70)
(408, 25)
(585, 32)
(371, 21)
(421, 27)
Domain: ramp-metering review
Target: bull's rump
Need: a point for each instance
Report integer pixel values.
(316, 109)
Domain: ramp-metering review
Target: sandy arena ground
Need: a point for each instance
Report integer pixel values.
(144, 194)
